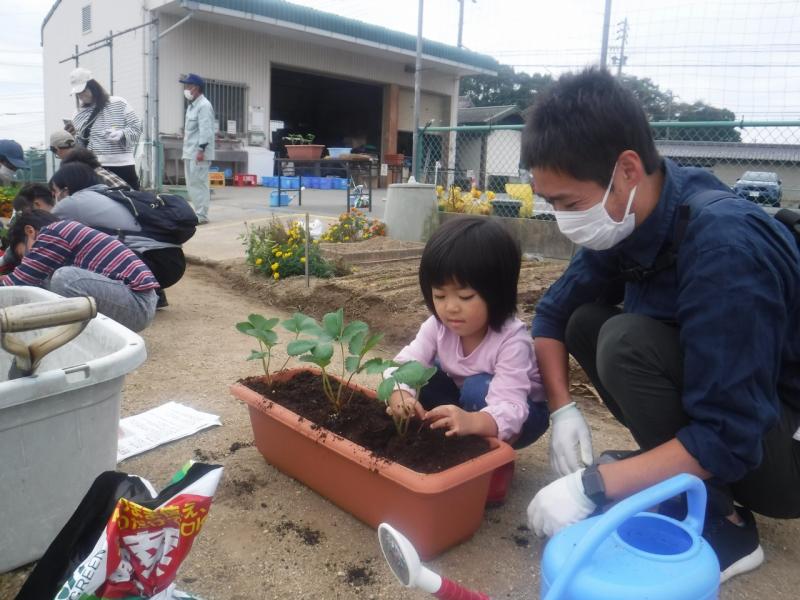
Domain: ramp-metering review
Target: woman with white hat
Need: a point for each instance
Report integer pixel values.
(105, 125)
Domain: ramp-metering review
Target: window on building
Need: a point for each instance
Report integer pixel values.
(230, 104)
(86, 18)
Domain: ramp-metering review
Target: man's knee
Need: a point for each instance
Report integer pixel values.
(585, 322)
(62, 281)
(617, 343)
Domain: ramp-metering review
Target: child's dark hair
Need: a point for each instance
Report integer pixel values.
(581, 125)
(475, 252)
(81, 155)
(74, 176)
(30, 192)
(36, 218)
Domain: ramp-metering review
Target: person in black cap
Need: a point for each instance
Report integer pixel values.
(11, 159)
(198, 144)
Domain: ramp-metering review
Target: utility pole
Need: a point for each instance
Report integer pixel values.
(622, 35)
(461, 20)
(604, 47)
(417, 76)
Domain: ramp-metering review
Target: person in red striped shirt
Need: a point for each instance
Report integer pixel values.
(71, 259)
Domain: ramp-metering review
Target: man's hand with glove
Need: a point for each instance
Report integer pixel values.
(570, 441)
(558, 505)
(115, 135)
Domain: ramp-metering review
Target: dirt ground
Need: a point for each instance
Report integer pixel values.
(270, 537)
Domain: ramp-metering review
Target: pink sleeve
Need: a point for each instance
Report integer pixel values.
(507, 399)
(423, 347)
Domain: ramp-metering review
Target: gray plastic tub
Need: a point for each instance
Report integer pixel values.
(58, 428)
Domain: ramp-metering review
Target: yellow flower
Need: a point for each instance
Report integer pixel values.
(259, 261)
(302, 259)
(276, 275)
(279, 253)
(490, 195)
(346, 238)
(275, 266)
(287, 255)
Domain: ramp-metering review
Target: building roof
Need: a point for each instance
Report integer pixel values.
(484, 115)
(729, 151)
(303, 16)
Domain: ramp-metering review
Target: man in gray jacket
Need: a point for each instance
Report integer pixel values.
(198, 144)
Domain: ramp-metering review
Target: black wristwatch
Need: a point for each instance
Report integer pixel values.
(593, 485)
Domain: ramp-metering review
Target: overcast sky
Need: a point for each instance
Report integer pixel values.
(743, 55)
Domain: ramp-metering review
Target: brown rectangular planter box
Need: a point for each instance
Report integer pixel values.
(435, 511)
(304, 151)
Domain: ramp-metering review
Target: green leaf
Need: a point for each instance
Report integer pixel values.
(372, 341)
(356, 345)
(244, 327)
(426, 376)
(354, 328)
(332, 322)
(297, 347)
(376, 365)
(410, 373)
(300, 323)
(255, 355)
(386, 388)
(260, 322)
(351, 363)
(312, 359)
(269, 337)
(323, 352)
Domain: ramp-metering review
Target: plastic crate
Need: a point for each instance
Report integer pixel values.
(269, 181)
(58, 429)
(337, 152)
(285, 199)
(340, 183)
(216, 179)
(290, 183)
(245, 179)
(326, 183)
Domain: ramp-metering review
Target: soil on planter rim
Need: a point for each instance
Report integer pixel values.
(364, 421)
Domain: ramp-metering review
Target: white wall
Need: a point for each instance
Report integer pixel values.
(64, 30)
(245, 56)
(503, 153)
(432, 106)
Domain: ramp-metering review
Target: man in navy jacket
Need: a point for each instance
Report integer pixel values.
(682, 306)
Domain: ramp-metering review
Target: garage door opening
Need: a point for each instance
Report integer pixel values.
(340, 113)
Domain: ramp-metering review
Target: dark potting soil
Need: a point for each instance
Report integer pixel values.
(364, 421)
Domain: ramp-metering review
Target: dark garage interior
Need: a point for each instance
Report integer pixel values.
(340, 113)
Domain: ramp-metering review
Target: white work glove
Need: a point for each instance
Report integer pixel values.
(570, 441)
(558, 505)
(114, 135)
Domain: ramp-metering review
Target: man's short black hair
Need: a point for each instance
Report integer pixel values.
(581, 125)
(35, 218)
(74, 176)
(81, 155)
(30, 192)
(475, 252)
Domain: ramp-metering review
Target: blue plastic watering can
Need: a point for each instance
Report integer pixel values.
(629, 554)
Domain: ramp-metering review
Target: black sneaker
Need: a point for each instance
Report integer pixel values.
(737, 546)
(162, 299)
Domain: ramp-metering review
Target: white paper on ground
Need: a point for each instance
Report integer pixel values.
(166, 423)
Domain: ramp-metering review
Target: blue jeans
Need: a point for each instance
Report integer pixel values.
(471, 397)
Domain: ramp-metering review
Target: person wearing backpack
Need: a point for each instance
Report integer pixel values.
(682, 305)
(106, 125)
(80, 197)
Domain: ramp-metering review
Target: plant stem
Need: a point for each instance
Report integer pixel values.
(264, 363)
(288, 358)
(326, 386)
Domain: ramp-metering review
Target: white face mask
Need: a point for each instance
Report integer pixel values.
(594, 228)
(188, 95)
(6, 174)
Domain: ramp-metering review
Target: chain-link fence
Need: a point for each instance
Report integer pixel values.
(477, 169)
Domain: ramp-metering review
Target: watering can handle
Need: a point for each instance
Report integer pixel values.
(619, 513)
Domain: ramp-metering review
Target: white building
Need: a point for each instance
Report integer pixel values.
(267, 62)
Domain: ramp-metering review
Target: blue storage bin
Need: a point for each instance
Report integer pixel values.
(284, 200)
(339, 183)
(336, 152)
(290, 183)
(314, 182)
(228, 173)
(326, 183)
(213, 169)
(269, 181)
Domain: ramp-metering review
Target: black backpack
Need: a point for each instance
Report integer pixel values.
(162, 217)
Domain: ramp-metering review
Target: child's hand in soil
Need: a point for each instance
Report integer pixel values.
(404, 405)
(457, 421)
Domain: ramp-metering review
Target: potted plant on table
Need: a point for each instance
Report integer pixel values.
(335, 436)
(301, 147)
